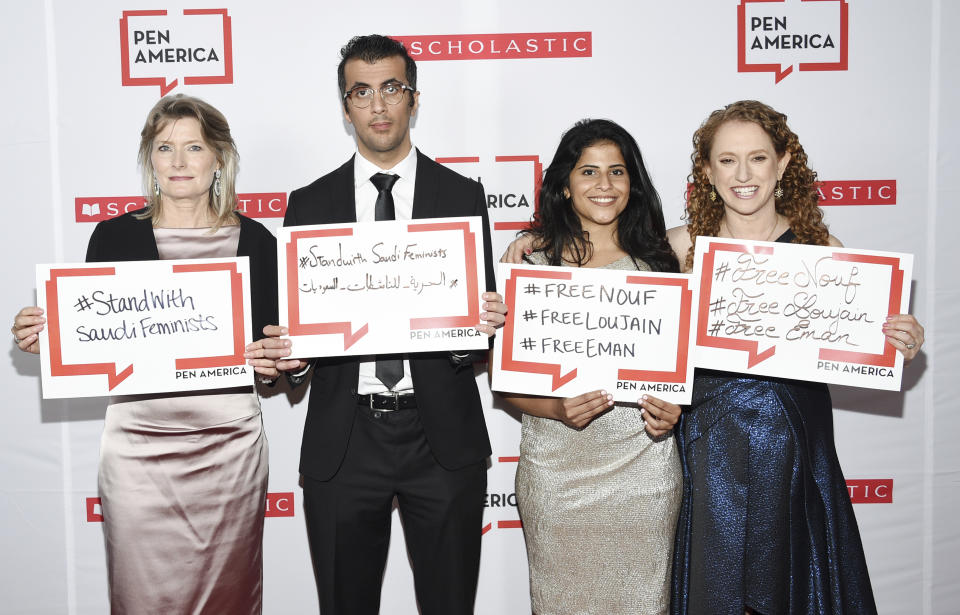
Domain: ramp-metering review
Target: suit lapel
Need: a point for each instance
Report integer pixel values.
(425, 190)
(343, 197)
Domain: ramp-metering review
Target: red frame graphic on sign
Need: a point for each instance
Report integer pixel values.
(59, 368)
(743, 67)
(554, 370)
(537, 183)
(236, 298)
(754, 356)
(351, 335)
(679, 373)
(226, 77)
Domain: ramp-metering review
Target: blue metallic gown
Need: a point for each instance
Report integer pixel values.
(766, 520)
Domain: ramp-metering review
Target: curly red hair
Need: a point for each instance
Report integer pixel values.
(799, 183)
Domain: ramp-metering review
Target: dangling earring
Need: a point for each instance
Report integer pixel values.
(156, 185)
(216, 182)
(778, 191)
(713, 194)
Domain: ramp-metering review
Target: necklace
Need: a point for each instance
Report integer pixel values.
(725, 228)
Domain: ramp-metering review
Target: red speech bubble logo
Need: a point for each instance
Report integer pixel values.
(346, 329)
(770, 29)
(554, 370)
(536, 181)
(154, 50)
(114, 377)
(679, 373)
(754, 354)
(57, 366)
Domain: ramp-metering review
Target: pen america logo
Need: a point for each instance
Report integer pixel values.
(501, 46)
(776, 35)
(159, 48)
(502, 504)
(512, 185)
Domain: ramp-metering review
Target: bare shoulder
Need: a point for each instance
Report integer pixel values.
(679, 238)
(833, 241)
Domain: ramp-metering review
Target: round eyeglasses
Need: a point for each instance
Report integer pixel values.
(362, 95)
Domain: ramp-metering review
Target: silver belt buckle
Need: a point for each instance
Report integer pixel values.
(393, 394)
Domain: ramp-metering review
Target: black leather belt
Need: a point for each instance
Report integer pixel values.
(388, 401)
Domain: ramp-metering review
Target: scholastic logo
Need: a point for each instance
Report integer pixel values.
(858, 192)
(158, 48)
(871, 491)
(251, 204)
(854, 192)
(514, 46)
(776, 35)
(277, 505)
(94, 511)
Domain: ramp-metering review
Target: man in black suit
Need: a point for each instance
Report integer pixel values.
(404, 426)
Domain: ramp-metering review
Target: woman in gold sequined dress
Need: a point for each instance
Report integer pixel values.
(598, 483)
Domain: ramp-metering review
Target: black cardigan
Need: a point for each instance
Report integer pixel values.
(125, 238)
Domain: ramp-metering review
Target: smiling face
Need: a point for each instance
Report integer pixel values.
(183, 162)
(383, 130)
(744, 167)
(599, 186)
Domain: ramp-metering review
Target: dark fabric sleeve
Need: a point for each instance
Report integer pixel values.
(95, 244)
(259, 244)
(291, 219)
(480, 209)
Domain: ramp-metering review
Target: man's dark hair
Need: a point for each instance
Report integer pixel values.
(370, 49)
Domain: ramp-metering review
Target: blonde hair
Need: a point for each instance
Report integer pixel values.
(216, 134)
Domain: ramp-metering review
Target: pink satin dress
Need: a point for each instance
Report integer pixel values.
(183, 482)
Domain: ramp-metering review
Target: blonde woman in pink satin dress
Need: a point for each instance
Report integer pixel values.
(183, 477)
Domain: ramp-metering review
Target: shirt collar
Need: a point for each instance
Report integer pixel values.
(363, 169)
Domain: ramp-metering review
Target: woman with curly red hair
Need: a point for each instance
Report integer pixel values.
(766, 524)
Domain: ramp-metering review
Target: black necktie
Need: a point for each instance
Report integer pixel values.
(384, 207)
(388, 371)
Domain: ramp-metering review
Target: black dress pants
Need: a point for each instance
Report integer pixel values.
(348, 519)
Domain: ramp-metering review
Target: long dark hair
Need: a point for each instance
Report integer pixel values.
(641, 231)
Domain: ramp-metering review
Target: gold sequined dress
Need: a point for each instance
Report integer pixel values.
(599, 509)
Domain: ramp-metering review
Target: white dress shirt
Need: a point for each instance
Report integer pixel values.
(366, 198)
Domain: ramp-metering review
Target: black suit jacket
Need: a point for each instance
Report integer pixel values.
(125, 238)
(447, 398)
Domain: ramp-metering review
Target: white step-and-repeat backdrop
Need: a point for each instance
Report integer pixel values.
(870, 87)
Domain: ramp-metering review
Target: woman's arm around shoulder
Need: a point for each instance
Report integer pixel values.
(679, 238)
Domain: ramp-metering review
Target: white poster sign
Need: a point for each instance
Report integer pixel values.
(804, 312)
(569, 331)
(144, 327)
(382, 287)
